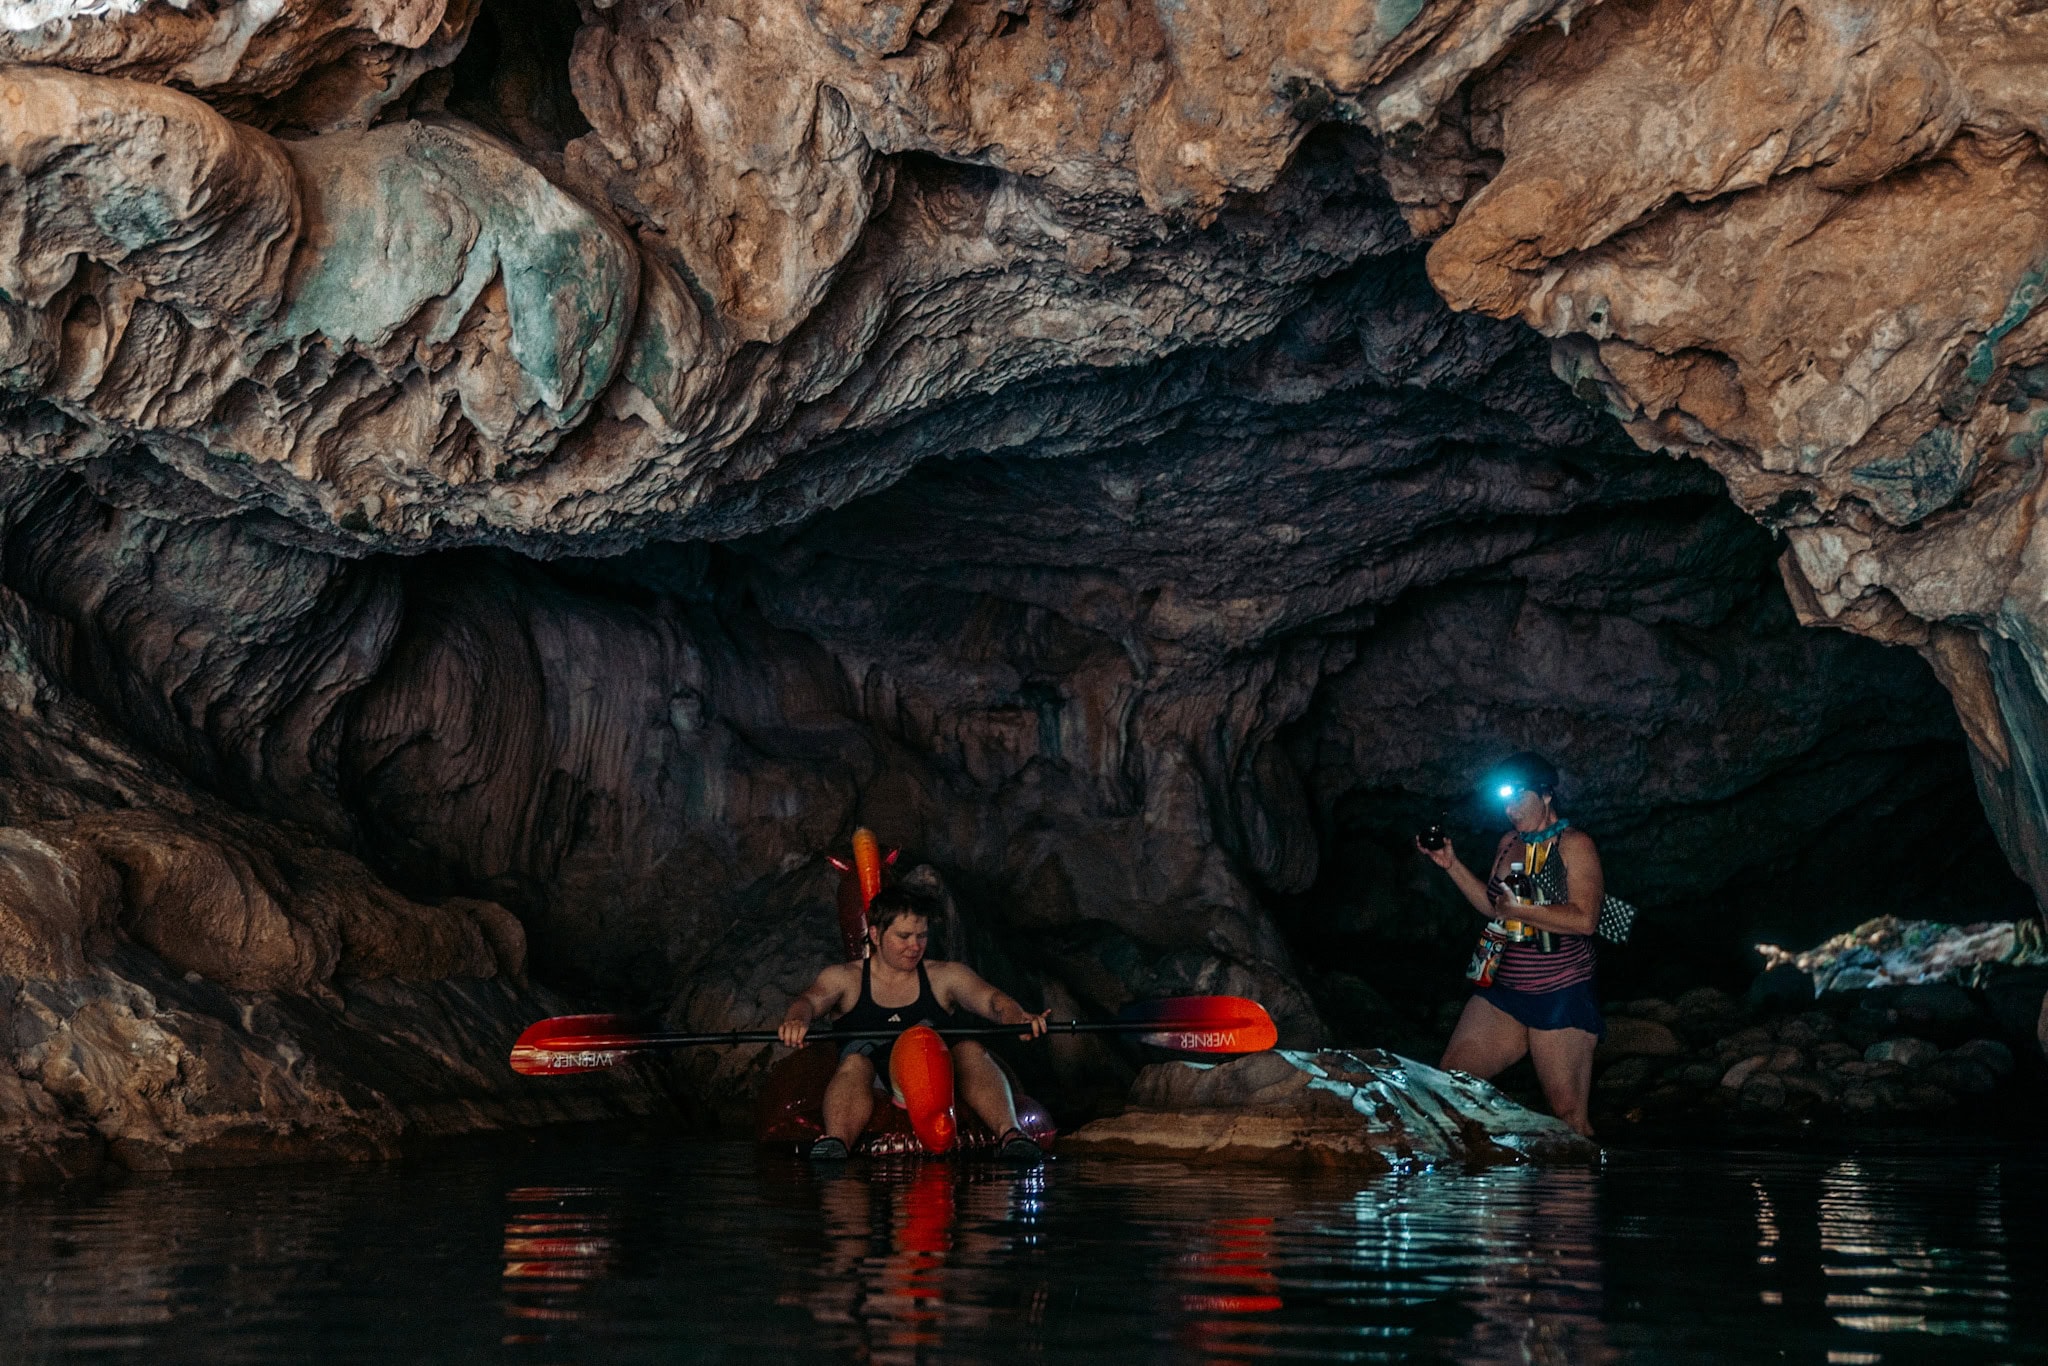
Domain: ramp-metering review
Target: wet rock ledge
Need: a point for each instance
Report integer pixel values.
(1367, 1109)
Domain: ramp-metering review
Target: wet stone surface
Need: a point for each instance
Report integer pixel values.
(1366, 1109)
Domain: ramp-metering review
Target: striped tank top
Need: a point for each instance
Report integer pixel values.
(1525, 967)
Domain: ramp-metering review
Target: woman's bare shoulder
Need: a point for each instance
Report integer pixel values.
(1575, 840)
(839, 976)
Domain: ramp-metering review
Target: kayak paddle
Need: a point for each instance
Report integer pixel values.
(1185, 1024)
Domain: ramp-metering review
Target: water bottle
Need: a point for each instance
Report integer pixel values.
(1523, 888)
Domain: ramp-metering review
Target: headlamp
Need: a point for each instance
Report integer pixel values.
(1506, 791)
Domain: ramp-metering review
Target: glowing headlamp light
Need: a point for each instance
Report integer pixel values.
(1506, 791)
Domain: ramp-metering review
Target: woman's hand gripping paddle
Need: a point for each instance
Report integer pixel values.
(1185, 1024)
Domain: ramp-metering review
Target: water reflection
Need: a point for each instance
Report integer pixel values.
(1891, 1274)
(620, 1252)
(558, 1239)
(893, 1235)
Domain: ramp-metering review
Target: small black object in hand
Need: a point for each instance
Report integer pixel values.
(1432, 838)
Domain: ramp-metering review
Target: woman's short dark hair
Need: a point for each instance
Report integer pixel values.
(1527, 769)
(890, 905)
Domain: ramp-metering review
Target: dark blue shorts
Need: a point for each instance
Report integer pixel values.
(1572, 1007)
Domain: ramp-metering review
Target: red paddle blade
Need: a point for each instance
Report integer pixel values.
(572, 1043)
(1204, 1024)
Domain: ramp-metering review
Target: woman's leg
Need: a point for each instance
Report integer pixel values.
(979, 1081)
(850, 1098)
(1564, 1064)
(1486, 1042)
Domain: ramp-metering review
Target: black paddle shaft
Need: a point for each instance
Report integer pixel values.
(601, 1043)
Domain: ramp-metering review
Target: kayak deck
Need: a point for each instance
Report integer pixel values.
(791, 1111)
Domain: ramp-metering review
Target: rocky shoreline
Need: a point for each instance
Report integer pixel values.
(1932, 1054)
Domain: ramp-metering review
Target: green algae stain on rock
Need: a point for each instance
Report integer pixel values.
(1932, 474)
(1395, 15)
(2025, 296)
(137, 217)
(410, 227)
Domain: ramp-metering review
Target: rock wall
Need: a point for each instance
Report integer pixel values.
(582, 462)
(1804, 243)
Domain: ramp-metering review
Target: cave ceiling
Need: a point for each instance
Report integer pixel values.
(1140, 457)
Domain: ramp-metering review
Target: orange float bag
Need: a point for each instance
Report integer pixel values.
(921, 1076)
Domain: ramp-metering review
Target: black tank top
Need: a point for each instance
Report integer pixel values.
(867, 1016)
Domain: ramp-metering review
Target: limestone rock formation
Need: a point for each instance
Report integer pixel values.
(1368, 1110)
(1804, 242)
(582, 461)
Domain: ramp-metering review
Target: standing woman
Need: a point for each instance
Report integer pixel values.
(1540, 999)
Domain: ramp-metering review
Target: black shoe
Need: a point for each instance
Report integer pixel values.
(830, 1149)
(1017, 1146)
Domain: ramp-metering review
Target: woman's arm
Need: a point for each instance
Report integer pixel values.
(1588, 884)
(956, 984)
(1462, 877)
(824, 996)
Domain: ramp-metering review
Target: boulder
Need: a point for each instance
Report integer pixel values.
(1925, 1097)
(1764, 1091)
(1812, 1090)
(1651, 1008)
(1706, 1001)
(1961, 1076)
(1936, 1010)
(1833, 1055)
(1905, 1052)
(1786, 1058)
(1782, 988)
(1736, 1077)
(1814, 1027)
(2014, 999)
(1699, 1074)
(1990, 1054)
(1625, 1075)
(1367, 1109)
(1755, 1039)
(1629, 1037)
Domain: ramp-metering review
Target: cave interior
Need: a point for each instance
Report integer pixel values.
(1148, 563)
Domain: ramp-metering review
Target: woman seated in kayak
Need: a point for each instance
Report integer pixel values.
(893, 989)
(1534, 968)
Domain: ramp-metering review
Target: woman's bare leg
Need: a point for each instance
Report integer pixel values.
(850, 1098)
(1487, 1042)
(1564, 1064)
(979, 1081)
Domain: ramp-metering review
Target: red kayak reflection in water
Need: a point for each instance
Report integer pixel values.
(906, 1252)
(558, 1241)
(1237, 1259)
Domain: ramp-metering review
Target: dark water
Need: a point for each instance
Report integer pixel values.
(603, 1249)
